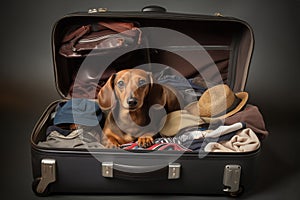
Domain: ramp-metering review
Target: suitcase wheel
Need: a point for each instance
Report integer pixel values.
(237, 193)
(35, 184)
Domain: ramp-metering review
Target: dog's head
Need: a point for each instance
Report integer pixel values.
(128, 87)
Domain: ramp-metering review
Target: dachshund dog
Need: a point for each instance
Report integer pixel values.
(135, 107)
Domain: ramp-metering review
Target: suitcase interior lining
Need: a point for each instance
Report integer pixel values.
(224, 41)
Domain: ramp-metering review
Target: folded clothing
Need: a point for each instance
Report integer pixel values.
(78, 111)
(83, 137)
(244, 141)
(75, 125)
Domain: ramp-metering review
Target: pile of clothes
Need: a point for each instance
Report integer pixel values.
(75, 125)
(220, 121)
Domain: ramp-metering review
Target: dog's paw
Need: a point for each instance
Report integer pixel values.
(111, 145)
(145, 141)
(107, 143)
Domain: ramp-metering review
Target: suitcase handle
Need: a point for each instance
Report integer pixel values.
(128, 172)
(154, 8)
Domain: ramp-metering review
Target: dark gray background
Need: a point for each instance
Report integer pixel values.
(27, 84)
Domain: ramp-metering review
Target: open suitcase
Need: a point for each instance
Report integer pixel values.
(162, 41)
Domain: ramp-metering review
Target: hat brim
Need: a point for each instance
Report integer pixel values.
(178, 120)
(193, 108)
(243, 96)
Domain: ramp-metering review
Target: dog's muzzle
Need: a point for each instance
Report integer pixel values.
(132, 102)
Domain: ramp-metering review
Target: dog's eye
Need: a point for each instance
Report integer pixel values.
(142, 82)
(121, 84)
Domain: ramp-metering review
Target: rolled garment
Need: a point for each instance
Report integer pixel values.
(244, 141)
(221, 130)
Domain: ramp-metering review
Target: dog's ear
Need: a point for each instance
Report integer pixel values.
(157, 95)
(163, 96)
(106, 95)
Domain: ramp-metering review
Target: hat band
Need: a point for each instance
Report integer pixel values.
(235, 103)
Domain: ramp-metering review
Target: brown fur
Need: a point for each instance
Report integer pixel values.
(126, 123)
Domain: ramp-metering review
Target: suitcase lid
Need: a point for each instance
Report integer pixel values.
(214, 46)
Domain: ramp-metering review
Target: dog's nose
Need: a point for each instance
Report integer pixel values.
(132, 102)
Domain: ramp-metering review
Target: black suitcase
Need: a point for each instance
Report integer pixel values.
(227, 41)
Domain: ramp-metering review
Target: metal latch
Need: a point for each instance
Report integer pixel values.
(107, 169)
(48, 174)
(96, 10)
(231, 179)
(218, 14)
(174, 171)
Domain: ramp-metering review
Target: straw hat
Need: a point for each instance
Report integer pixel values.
(177, 120)
(218, 102)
